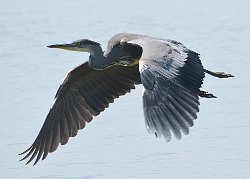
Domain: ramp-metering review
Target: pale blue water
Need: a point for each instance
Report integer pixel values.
(116, 144)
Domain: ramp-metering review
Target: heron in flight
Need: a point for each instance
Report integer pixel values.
(171, 75)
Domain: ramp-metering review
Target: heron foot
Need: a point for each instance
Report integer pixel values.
(222, 75)
(219, 74)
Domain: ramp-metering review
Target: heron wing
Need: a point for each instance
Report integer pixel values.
(84, 93)
(171, 76)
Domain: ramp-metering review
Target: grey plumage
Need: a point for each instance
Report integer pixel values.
(171, 75)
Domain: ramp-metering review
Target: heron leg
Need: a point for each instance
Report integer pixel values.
(205, 94)
(218, 74)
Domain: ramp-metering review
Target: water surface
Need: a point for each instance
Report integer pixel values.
(116, 144)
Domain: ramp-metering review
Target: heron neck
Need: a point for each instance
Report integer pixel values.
(97, 59)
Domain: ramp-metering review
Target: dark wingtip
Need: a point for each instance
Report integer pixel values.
(35, 162)
(25, 151)
(23, 159)
(30, 151)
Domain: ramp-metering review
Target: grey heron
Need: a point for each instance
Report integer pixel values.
(171, 75)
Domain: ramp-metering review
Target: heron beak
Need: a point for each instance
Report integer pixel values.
(71, 46)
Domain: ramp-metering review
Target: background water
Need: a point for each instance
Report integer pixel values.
(116, 144)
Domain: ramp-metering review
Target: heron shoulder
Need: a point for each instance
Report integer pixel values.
(155, 48)
(116, 39)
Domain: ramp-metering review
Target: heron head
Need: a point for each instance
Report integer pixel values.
(83, 45)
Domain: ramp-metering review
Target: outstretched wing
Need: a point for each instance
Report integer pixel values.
(171, 75)
(84, 93)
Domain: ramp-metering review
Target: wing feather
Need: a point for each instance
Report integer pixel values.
(172, 76)
(84, 93)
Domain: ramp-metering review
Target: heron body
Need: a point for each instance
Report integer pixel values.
(170, 73)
